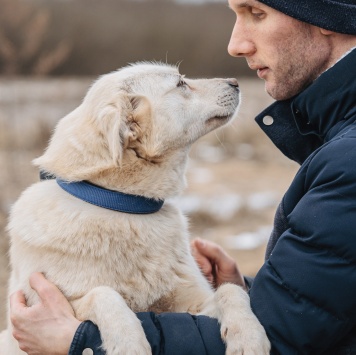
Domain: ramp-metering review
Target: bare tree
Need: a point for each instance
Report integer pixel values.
(23, 29)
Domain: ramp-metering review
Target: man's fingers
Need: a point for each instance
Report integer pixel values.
(203, 262)
(45, 289)
(17, 301)
(38, 283)
(17, 306)
(223, 267)
(210, 250)
(49, 294)
(216, 255)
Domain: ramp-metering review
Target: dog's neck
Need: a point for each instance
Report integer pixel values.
(112, 200)
(156, 180)
(160, 180)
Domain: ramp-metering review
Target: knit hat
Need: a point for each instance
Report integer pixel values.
(334, 15)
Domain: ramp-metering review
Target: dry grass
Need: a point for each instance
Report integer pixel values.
(236, 161)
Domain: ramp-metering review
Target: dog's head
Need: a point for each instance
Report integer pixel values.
(140, 116)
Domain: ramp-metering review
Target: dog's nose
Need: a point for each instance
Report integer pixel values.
(233, 82)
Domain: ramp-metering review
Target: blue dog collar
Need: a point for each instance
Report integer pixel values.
(112, 200)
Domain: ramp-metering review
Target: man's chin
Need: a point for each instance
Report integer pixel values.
(277, 92)
(271, 90)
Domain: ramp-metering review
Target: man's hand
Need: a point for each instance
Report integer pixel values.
(46, 328)
(217, 266)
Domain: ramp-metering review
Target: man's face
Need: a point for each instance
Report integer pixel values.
(287, 54)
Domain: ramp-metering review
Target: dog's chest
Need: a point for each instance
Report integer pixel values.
(146, 274)
(138, 256)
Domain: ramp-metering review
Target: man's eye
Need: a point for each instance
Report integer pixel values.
(257, 14)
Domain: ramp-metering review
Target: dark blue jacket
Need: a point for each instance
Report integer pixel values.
(305, 293)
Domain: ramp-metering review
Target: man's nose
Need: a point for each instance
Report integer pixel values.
(241, 44)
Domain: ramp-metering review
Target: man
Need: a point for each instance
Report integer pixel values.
(305, 293)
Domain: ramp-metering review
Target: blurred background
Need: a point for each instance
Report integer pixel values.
(51, 51)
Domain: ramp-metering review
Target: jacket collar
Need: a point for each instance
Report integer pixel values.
(305, 122)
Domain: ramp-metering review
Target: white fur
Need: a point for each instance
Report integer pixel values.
(132, 134)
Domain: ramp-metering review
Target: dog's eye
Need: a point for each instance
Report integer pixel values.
(181, 83)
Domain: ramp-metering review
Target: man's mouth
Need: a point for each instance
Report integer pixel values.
(262, 72)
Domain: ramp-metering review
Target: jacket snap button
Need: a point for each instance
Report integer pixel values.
(268, 120)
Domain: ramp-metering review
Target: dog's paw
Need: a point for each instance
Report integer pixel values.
(130, 342)
(240, 328)
(245, 339)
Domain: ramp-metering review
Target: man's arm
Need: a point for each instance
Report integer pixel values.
(178, 333)
(304, 295)
(50, 327)
(167, 333)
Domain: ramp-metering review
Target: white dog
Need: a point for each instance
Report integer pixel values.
(131, 134)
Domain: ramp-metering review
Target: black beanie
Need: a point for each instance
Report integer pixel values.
(334, 15)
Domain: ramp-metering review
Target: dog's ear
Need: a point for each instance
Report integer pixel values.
(110, 120)
(138, 120)
(93, 137)
(125, 124)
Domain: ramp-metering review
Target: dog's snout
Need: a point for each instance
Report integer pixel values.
(233, 82)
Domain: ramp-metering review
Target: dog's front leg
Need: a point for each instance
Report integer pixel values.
(240, 328)
(121, 331)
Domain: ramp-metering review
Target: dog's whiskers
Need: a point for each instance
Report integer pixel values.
(232, 125)
(220, 141)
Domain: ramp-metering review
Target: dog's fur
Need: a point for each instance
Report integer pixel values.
(132, 133)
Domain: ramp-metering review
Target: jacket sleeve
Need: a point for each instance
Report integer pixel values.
(305, 294)
(167, 333)
(86, 336)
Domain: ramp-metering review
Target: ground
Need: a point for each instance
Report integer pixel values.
(236, 177)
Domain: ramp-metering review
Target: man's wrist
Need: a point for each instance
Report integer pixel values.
(86, 336)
